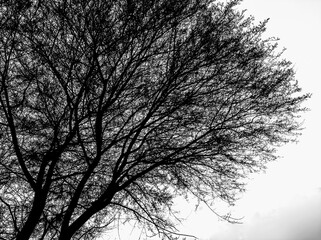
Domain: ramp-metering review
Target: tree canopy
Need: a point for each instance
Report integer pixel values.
(111, 108)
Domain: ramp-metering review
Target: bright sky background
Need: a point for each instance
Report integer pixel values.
(285, 202)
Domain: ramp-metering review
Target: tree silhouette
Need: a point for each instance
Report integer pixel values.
(110, 109)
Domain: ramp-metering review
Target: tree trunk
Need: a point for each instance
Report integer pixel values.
(33, 218)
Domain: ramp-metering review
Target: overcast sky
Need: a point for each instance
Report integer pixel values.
(284, 203)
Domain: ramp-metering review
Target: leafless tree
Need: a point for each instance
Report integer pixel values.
(111, 108)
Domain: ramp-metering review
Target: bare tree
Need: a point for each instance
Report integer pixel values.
(111, 108)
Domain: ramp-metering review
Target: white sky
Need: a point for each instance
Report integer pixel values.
(284, 203)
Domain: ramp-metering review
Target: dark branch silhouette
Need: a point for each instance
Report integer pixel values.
(110, 109)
